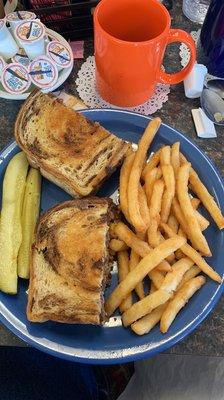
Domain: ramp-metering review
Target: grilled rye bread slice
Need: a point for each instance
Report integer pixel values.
(71, 262)
(71, 151)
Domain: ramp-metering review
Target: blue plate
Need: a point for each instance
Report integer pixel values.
(113, 343)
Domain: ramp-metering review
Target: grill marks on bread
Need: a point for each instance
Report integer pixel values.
(67, 146)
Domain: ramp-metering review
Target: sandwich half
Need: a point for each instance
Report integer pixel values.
(68, 149)
(71, 262)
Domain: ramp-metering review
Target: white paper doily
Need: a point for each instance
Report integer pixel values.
(185, 52)
(86, 88)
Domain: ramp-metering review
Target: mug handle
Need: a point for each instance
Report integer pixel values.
(177, 35)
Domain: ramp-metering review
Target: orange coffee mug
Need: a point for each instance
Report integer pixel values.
(130, 38)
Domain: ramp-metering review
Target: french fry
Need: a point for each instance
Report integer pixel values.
(151, 177)
(112, 230)
(173, 223)
(156, 277)
(154, 213)
(165, 155)
(146, 265)
(198, 240)
(145, 324)
(134, 179)
(153, 162)
(152, 288)
(125, 234)
(123, 184)
(169, 192)
(10, 226)
(30, 213)
(170, 259)
(179, 215)
(164, 266)
(173, 279)
(175, 157)
(145, 306)
(203, 194)
(144, 210)
(123, 270)
(179, 301)
(179, 254)
(203, 222)
(195, 202)
(194, 256)
(117, 245)
(191, 273)
(134, 261)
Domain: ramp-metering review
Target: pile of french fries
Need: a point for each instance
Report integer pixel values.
(20, 210)
(162, 237)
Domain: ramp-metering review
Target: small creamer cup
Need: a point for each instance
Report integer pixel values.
(43, 72)
(194, 82)
(8, 46)
(59, 54)
(15, 18)
(31, 36)
(22, 58)
(15, 78)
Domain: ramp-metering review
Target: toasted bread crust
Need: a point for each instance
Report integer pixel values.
(76, 274)
(76, 154)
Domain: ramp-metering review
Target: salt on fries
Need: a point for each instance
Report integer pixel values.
(164, 235)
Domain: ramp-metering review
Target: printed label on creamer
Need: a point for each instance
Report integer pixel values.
(59, 54)
(30, 31)
(21, 58)
(20, 15)
(43, 72)
(15, 78)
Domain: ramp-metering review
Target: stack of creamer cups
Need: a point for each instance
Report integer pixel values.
(27, 55)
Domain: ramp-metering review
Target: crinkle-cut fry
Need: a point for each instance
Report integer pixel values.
(173, 223)
(135, 175)
(195, 202)
(203, 194)
(117, 245)
(123, 270)
(179, 301)
(154, 213)
(194, 256)
(123, 183)
(143, 205)
(175, 157)
(145, 306)
(145, 324)
(173, 279)
(124, 233)
(169, 192)
(156, 277)
(146, 265)
(165, 155)
(152, 163)
(150, 180)
(191, 273)
(197, 239)
(134, 261)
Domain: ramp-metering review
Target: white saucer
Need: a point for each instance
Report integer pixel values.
(62, 75)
